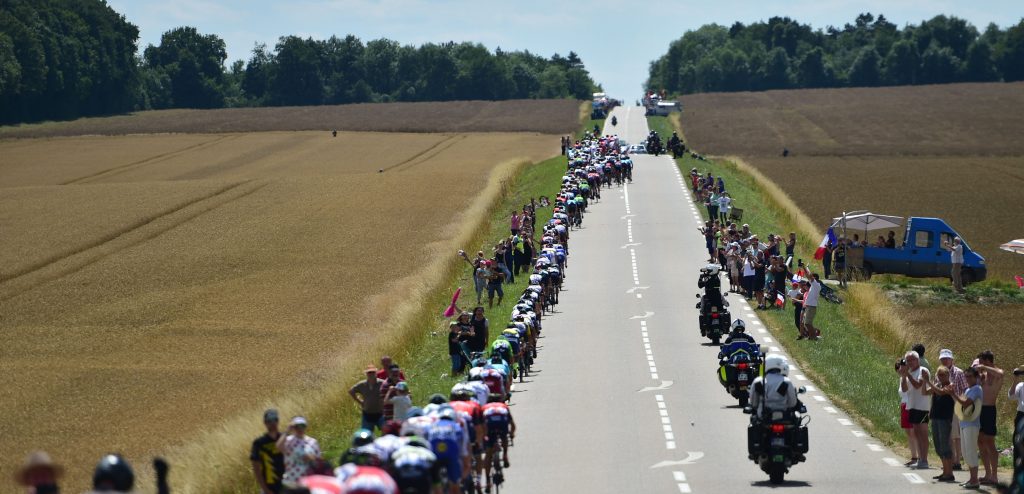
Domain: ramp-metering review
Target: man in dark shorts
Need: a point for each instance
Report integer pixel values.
(267, 460)
(991, 381)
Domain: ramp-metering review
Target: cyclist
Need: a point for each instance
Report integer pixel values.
(447, 439)
(500, 428)
(415, 468)
(472, 416)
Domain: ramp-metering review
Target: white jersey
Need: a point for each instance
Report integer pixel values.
(775, 401)
(418, 426)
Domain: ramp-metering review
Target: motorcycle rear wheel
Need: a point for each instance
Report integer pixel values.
(777, 474)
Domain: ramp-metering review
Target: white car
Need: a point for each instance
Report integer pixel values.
(637, 149)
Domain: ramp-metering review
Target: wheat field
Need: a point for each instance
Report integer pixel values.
(156, 287)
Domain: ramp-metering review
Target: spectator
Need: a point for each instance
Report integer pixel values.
(1016, 392)
(919, 348)
(721, 185)
(890, 243)
(479, 272)
(300, 452)
(515, 222)
(481, 330)
(905, 424)
(385, 364)
(912, 381)
(956, 257)
(507, 260)
(941, 392)
(970, 425)
(797, 296)
(520, 262)
(839, 256)
(745, 232)
(855, 243)
(779, 273)
(394, 377)
(759, 277)
(494, 281)
(879, 242)
(813, 287)
(791, 245)
(399, 399)
(267, 460)
(959, 382)
(39, 474)
(713, 202)
(748, 274)
(367, 394)
(990, 378)
(826, 260)
(724, 206)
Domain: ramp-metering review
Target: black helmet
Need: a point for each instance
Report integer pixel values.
(113, 474)
(362, 437)
(438, 399)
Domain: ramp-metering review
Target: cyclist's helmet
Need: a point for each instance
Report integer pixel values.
(414, 412)
(461, 395)
(447, 414)
(362, 437)
(417, 441)
(776, 363)
(438, 399)
(113, 474)
(367, 456)
(739, 326)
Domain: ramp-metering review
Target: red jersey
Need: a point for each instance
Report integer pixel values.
(470, 410)
(497, 414)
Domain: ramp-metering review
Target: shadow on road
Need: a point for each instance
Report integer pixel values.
(788, 483)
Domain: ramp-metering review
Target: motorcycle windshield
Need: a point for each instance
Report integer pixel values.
(739, 349)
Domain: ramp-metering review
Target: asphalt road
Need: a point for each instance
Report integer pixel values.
(625, 397)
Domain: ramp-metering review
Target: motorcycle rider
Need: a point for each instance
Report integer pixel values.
(739, 333)
(615, 121)
(712, 286)
(774, 392)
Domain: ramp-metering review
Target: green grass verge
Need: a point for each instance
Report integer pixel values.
(425, 359)
(847, 364)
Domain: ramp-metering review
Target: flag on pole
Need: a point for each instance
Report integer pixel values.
(800, 275)
(830, 238)
(780, 300)
(450, 311)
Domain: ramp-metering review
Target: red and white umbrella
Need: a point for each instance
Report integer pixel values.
(1015, 246)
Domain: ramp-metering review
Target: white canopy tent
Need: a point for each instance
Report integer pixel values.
(866, 221)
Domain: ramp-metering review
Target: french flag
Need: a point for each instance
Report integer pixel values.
(830, 238)
(799, 276)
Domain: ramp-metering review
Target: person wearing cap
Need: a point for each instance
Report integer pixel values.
(399, 399)
(367, 394)
(300, 452)
(39, 474)
(267, 460)
(959, 382)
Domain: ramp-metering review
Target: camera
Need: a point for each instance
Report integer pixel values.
(900, 363)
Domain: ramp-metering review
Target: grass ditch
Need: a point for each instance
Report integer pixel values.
(853, 362)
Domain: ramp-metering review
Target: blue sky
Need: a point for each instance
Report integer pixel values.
(616, 39)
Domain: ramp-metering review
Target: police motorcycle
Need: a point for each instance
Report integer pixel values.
(777, 438)
(615, 121)
(739, 363)
(714, 318)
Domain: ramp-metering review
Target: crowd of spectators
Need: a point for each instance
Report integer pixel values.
(960, 407)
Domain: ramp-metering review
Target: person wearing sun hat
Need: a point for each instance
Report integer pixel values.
(39, 474)
(300, 452)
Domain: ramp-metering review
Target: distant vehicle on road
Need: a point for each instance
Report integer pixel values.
(637, 149)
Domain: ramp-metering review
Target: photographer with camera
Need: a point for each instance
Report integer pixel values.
(712, 285)
(905, 415)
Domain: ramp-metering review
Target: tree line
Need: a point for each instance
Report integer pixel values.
(62, 59)
(783, 54)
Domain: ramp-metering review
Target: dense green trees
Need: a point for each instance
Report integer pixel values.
(783, 53)
(63, 59)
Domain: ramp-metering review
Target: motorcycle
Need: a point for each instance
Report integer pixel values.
(714, 318)
(615, 121)
(778, 442)
(739, 363)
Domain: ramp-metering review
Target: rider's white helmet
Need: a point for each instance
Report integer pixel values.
(739, 325)
(712, 268)
(776, 362)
